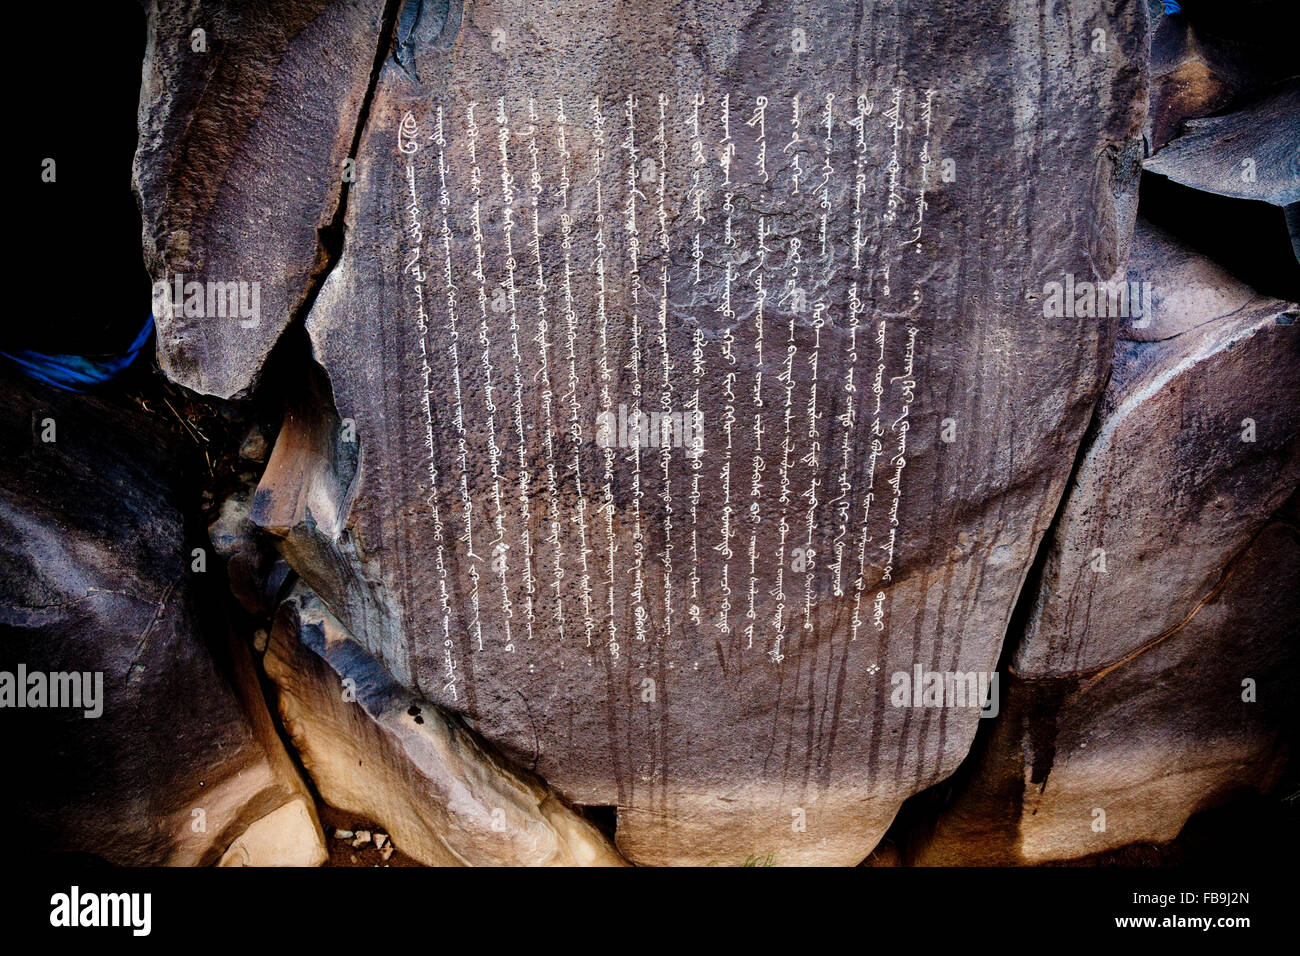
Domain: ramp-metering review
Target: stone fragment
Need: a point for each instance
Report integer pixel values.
(374, 750)
(247, 116)
(1086, 763)
(1252, 153)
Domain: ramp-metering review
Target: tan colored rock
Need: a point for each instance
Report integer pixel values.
(287, 836)
(1190, 78)
(385, 755)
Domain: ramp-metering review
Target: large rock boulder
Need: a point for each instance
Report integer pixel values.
(1157, 668)
(818, 239)
(170, 756)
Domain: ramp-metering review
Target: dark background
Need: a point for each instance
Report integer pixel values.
(73, 72)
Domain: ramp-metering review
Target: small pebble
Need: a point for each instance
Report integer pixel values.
(343, 834)
(363, 837)
(254, 446)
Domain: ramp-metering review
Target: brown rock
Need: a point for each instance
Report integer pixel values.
(715, 743)
(1086, 763)
(1161, 595)
(1195, 447)
(1187, 289)
(182, 765)
(1253, 153)
(240, 165)
(374, 750)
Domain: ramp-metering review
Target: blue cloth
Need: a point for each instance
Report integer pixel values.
(77, 373)
(1171, 6)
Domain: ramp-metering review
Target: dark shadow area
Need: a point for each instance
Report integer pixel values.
(1249, 239)
(78, 255)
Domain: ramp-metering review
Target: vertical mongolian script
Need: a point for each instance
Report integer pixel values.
(636, 417)
(666, 382)
(814, 435)
(517, 372)
(542, 340)
(906, 381)
(726, 155)
(754, 513)
(841, 504)
(408, 144)
(500, 549)
(458, 398)
(571, 357)
(604, 373)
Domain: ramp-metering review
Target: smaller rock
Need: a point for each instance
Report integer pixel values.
(254, 447)
(363, 837)
(386, 852)
(343, 834)
(428, 781)
(249, 562)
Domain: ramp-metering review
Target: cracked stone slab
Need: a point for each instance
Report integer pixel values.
(240, 165)
(727, 752)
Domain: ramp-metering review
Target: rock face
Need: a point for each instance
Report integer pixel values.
(374, 750)
(1205, 62)
(244, 129)
(1187, 289)
(557, 228)
(1253, 153)
(1195, 449)
(1085, 763)
(181, 764)
(1157, 666)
